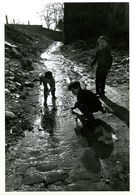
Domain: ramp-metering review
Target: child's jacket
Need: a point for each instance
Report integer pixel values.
(44, 81)
(103, 58)
(88, 102)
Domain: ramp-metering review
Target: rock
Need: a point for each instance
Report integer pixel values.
(125, 60)
(10, 115)
(12, 88)
(7, 73)
(32, 179)
(55, 176)
(22, 168)
(25, 125)
(7, 91)
(23, 97)
(13, 182)
(29, 68)
(10, 78)
(28, 84)
(46, 167)
(18, 78)
(27, 64)
(15, 53)
(10, 45)
(85, 175)
(18, 85)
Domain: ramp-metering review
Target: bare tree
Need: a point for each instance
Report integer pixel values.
(51, 14)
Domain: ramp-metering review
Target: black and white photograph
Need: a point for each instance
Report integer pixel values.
(66, 96)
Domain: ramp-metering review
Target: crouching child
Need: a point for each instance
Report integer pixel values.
(47, 79)
(87, 102)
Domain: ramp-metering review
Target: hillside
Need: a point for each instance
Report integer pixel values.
(22, 54)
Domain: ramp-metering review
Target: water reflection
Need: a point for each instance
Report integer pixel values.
(103, 143)
(90, 161)
(99, 137)
(48, 119)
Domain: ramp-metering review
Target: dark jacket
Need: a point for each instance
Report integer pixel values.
(43, 81)
(88, 102)
(103, 58)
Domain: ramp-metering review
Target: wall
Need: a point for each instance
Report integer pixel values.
(84, 20)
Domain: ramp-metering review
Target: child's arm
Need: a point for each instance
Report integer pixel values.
(109, 63)
(40, 79)
(95, 59)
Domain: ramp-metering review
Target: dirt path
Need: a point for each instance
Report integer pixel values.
(52, 157)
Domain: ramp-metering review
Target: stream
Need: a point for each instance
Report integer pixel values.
(53, 157)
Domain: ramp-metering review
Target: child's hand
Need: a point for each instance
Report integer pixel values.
(72, 108)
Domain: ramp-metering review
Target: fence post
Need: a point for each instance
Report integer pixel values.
(6, 19)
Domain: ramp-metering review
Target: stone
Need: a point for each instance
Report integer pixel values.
(13, 182)
(15, 54)
(56, 176)
(27, 64)
(10, 115)
(13, 88)
(46, 167)
(7, 91)
(32, 179)
(85, 175)
(23, 97)
(28, 84)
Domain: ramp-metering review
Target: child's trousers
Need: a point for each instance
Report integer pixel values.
(46, 94)
(100, 81)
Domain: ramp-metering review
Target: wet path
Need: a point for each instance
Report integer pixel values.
(52, 157)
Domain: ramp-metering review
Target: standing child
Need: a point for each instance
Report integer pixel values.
(104, 60)
(45, 79)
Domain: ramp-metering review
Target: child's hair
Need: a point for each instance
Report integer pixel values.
(48, 74)
(103, 38)
(74, 85)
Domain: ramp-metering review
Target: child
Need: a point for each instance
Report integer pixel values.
(104, 59)
(87, 102)
(47, 78)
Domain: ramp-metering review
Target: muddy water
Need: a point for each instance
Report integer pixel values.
(52, 157)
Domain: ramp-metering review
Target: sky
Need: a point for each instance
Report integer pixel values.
(23, 10)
